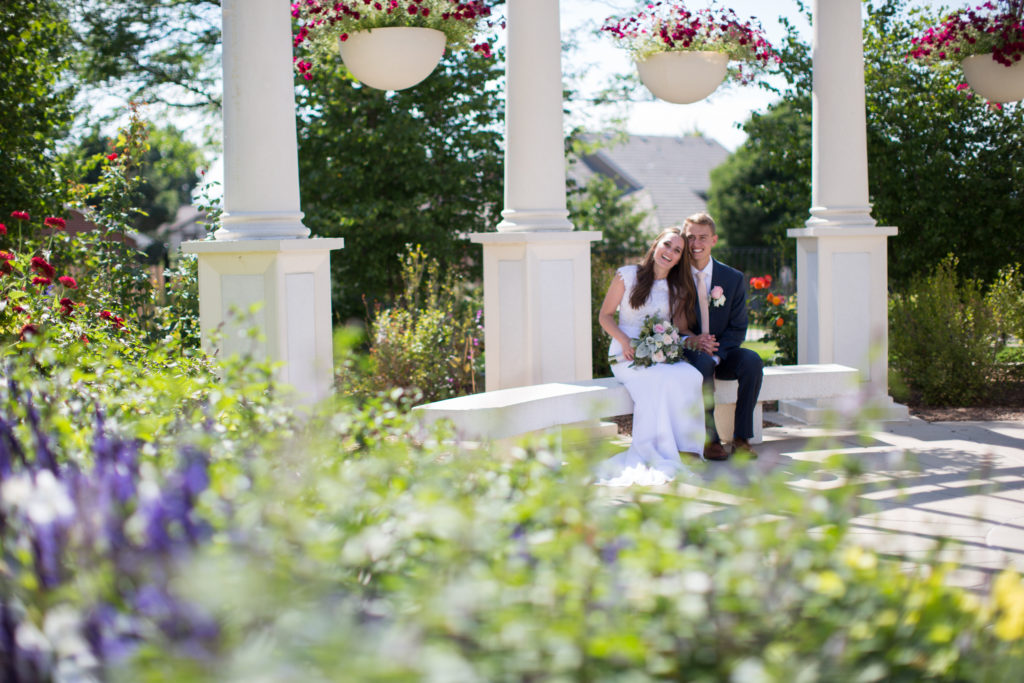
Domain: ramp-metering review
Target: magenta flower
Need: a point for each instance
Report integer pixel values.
(68, 281)
(3, 229)
(40, 265)
(20, 215)
(39, 280)
(54, 222)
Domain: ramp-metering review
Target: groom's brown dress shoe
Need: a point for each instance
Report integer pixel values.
(743, 446)
(715, 451)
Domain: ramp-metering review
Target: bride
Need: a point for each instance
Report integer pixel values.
(668, 412)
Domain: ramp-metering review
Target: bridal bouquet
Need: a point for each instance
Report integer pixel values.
(659, 342)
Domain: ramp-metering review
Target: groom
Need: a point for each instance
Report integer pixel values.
(722, 325)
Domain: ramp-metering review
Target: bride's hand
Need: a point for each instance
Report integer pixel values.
(627, 351)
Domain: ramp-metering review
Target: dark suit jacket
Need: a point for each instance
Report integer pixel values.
(727, 322)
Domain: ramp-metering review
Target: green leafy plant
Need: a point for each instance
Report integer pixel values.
(776, 315)
(431, 340)
(1005, 298)
(669, 26)
(322, 23)
(995, 28)
(940, 328)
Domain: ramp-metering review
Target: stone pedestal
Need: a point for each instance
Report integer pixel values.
(270, 299)
(537, 309)
(842, 309)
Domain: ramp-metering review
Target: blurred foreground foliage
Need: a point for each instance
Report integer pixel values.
(166, 517)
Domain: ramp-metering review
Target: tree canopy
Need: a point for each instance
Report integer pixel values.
(35, 103)
(944, 168)
(386, 169)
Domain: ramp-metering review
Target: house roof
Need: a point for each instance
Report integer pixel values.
(675, 171)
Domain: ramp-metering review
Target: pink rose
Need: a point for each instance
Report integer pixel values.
(716, 292)
(659, 328)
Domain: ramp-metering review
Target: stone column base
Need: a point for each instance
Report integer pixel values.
(282, 289)
(537, 311)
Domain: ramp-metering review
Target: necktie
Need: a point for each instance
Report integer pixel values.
(702, 301)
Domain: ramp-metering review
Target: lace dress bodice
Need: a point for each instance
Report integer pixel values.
(631, 319)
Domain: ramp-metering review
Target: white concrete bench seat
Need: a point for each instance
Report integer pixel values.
(510, 412)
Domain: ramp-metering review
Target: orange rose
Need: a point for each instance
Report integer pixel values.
(779, 322)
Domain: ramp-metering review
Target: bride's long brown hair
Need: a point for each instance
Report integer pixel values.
(682, 293)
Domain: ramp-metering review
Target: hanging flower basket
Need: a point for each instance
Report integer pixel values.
(683, 77)
(682, 56)
(393, 58)
(988, 43)
(388, 44)
(994, 81)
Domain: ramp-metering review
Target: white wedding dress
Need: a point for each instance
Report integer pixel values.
(668, 411)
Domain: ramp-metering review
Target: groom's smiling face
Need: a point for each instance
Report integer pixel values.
(701, 239)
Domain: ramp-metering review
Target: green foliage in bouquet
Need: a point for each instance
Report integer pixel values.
(658, 342)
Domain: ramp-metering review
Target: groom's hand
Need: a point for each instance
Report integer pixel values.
(706, 343)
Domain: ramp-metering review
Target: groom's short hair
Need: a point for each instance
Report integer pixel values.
(702, 219)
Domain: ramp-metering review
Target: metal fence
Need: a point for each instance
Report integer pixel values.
(756, 261)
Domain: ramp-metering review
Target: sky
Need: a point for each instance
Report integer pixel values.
(718, 117)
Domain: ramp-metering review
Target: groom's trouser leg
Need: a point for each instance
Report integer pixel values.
(706, 365)
(745, 366)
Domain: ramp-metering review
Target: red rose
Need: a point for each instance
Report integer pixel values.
(111, 156)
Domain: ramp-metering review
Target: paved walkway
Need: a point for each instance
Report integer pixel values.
(960, 480)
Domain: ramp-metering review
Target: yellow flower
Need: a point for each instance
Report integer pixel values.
(1008, 593)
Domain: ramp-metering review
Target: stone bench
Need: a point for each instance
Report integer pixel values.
(509, 412)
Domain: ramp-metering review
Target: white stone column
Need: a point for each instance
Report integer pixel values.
(536, 267)
(842, 304)
(262, 258)
(534, 141)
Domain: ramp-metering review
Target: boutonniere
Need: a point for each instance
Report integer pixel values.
(717, 297)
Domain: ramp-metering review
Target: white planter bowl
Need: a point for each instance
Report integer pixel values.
(683, 77)
(992, 80)
(392, 58)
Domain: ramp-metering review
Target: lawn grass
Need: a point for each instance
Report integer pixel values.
(765, 349)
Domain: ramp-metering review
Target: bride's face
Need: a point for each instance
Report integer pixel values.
(669, 251)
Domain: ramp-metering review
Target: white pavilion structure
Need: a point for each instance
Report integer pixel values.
(536, 266)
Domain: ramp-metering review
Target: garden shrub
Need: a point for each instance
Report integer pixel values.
(409, 560)
(942, 337)
(776, 315)
(431, 340)
(601, 274)
(1006, 300)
